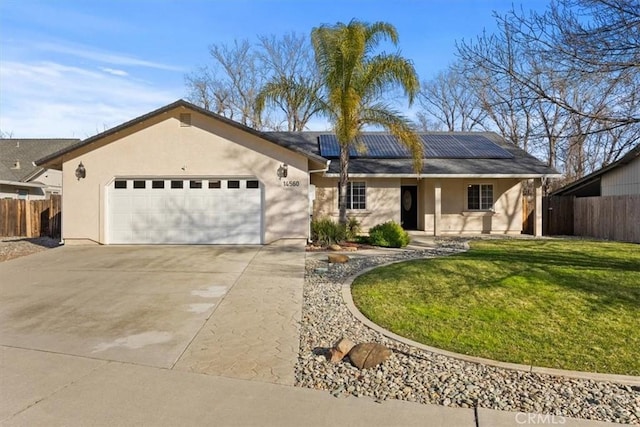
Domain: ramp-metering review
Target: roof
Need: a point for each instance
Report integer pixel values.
(447, 154)
(591, 182)
(181, 103)
(25, 152)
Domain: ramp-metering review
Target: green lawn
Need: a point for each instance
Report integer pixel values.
(569, 304)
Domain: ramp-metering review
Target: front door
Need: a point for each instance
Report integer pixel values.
(409, 207)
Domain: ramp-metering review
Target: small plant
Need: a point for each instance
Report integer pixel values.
(352, 229)
(326, 232)
(389, 234)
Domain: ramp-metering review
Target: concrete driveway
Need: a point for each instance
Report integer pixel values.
(138, 304)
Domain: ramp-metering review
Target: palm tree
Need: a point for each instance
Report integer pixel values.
(355, 80)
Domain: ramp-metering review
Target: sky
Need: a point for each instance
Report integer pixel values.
(74, 68)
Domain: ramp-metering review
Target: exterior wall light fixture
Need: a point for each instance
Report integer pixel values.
(81, 172)
(283, 171)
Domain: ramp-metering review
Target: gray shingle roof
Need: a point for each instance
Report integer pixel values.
(26, 151)
(521, 164)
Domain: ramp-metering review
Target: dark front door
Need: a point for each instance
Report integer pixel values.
(409, 207)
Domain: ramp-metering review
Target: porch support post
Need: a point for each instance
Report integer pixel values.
(537, 222)
(437, 204)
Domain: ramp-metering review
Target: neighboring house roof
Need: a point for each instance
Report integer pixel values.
(184, 104)
(590, 185)
(447, 154)
(17, 156)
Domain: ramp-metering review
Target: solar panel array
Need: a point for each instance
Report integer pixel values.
(384, 146)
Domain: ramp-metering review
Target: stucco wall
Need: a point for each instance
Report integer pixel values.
(383, 204)
(207, 148)
(383, 200)
(456, 219)
(624, 180)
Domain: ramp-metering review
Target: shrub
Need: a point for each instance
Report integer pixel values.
(327, 232)
(389, 234)
(352, 229)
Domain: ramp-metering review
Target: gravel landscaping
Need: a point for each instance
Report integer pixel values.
(15, 247)
(420, 376)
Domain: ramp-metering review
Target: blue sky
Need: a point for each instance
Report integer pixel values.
(73, 68)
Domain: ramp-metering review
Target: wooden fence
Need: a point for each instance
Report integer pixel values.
(607, 217)
(35, 218)
(557, 216)
(611, 217)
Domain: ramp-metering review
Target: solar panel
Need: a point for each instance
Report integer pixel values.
(436, 146)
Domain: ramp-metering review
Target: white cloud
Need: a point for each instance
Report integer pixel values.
(49, 99)
(86, 52)
(115, 72)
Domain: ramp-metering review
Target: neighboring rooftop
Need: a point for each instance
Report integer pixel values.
(590, 185)
(18, 154)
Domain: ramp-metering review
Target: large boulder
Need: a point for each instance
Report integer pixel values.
(368, 355)
(338, 258)
(340, 349)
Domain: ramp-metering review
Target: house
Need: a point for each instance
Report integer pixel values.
(20, 178)
(471, 182)
(182, 174)
(620, 178)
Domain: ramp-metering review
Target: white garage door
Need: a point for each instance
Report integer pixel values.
(180, 211)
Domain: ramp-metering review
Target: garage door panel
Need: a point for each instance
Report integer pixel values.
(148, 215)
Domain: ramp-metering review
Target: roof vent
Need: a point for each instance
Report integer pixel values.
(16, 165)
(185, 119)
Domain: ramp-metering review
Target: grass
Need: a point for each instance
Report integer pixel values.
(568, 304)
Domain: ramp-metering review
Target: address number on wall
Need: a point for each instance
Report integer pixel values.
(291, 183)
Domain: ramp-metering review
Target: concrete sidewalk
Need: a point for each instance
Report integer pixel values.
(45, 389)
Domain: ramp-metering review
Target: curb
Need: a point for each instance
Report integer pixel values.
(594, 376)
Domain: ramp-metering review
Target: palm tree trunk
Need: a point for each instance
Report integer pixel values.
(344, 178)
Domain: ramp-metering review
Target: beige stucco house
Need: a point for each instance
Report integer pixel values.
(182, 174)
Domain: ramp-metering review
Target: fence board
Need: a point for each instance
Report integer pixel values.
(609, 217)
(19, 218)
(557, 216)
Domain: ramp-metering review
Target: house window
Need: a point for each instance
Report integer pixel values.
(480, 197)
(356, 196)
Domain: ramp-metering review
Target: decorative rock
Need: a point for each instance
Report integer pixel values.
(368, 355)
(350, 249)
(340, 350)
(335, 247)
(338, 258)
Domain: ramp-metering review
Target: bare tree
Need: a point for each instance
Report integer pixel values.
(568, 76)
(240, 71)
(294, 86)
(448, 102)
